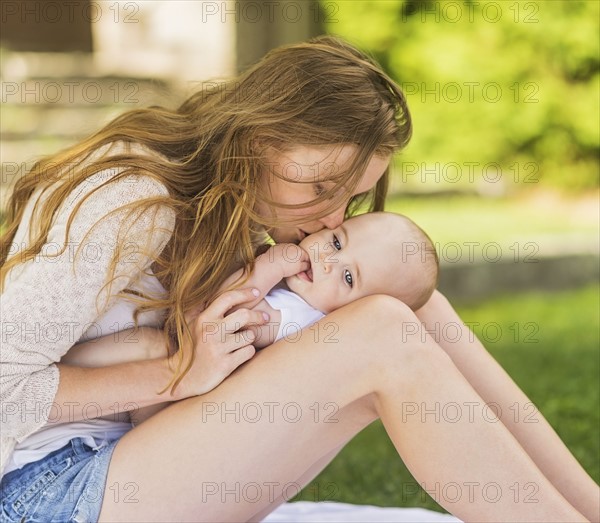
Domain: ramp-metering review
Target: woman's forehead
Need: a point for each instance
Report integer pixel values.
(375, 170)
(339, 155)
(323, 164)
(328, 157)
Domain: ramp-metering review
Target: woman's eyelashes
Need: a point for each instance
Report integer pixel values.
(319, 189)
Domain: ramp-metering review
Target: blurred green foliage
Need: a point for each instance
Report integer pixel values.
(504, 95)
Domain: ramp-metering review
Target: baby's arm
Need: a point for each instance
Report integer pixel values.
(120, 347)
(278, 262)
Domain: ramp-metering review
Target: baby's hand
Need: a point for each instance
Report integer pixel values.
(289, 258)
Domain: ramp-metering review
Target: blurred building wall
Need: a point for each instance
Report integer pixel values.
(264, 25)
(69, 66)
(31, 25)
(177, 39)
(182, 40)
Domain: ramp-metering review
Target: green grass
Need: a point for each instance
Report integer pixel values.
(531, 217)
(554, 360)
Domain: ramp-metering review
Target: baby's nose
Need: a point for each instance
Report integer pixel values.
(328, 257)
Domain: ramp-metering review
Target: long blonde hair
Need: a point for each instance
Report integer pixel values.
(320, 92)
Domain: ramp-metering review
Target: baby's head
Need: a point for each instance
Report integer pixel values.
(374, 253)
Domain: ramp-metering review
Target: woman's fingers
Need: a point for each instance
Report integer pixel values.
(219, 307)
(224, 341)
(218, 330)
(235, 341)
(244, 317)
(241, 356)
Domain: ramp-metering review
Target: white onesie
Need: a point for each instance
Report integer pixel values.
(295, 312)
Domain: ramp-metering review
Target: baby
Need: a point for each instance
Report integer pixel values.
(374, 253)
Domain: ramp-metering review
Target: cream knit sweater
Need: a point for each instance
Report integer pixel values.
(49, 302)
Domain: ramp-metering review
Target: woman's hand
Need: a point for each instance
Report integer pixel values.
(222, 341)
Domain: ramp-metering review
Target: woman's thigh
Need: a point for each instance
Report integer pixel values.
(232, 452)
(361, 409)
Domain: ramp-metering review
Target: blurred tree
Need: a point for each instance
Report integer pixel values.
(503, 94)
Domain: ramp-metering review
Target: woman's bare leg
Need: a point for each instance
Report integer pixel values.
(189, 464)
(303, 480)
(362, 409)
(515, 409)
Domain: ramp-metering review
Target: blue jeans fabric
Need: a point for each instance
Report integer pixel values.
(66, 486)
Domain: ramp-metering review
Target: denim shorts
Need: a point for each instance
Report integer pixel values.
(65, 486)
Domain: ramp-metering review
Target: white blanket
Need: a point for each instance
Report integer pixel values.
(329, 511)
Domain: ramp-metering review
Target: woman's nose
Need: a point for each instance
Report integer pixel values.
(335, 219)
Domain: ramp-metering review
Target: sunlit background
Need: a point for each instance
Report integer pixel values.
(502, 170)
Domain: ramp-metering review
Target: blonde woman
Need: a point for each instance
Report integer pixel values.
(157, 209)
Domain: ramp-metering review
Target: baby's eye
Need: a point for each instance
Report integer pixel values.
(348, 277)
(336, 243)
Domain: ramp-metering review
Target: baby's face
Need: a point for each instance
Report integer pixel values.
(359, 258)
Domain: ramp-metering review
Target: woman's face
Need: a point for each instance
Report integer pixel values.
(313, 164)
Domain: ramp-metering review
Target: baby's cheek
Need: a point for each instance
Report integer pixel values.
(324, 302)
(312, 296)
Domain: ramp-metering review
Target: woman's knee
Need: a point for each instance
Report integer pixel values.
(381, 308)
(392, 330)
(401, 352)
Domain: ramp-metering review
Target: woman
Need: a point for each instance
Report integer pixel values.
(157, 209)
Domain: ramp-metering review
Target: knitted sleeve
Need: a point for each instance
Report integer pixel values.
(49, 301)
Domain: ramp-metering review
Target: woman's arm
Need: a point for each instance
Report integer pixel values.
(49, 301)
(218, 350)
(124, 346)
(270, 269)
(494, 385)
(120, 347)
(117, 388)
